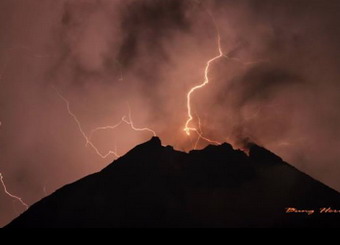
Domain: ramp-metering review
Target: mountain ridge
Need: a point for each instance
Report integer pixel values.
(156, 186)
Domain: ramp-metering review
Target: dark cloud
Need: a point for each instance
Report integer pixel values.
(150, 24)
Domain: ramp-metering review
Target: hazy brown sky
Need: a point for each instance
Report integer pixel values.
(279, 86)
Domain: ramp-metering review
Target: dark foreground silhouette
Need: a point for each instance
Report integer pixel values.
(156, 186)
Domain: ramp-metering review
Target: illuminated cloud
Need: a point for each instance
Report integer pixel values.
(278, 87)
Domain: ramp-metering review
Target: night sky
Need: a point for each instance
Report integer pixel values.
(277, 84)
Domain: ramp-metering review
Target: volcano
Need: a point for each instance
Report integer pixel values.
(157, 186)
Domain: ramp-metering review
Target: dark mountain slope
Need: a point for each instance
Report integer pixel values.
(156, 186)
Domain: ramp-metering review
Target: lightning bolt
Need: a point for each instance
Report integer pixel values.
(125, 119)
(187, 128)
(19, 199)
(11, 195)
(105, 128)
(7, 192)
(199, 132)
(129, 121)
(87, 139)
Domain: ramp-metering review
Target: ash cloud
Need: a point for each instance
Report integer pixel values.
(278, 88)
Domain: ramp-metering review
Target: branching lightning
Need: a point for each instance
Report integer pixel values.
(199, 132)
(19, 199)
(11, 195)
(7, 192)
(87, 139)
(127, 120)
(104, 128)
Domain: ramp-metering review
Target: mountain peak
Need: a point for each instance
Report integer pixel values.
(153, 142)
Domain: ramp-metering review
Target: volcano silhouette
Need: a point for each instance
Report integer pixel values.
(156, 186)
